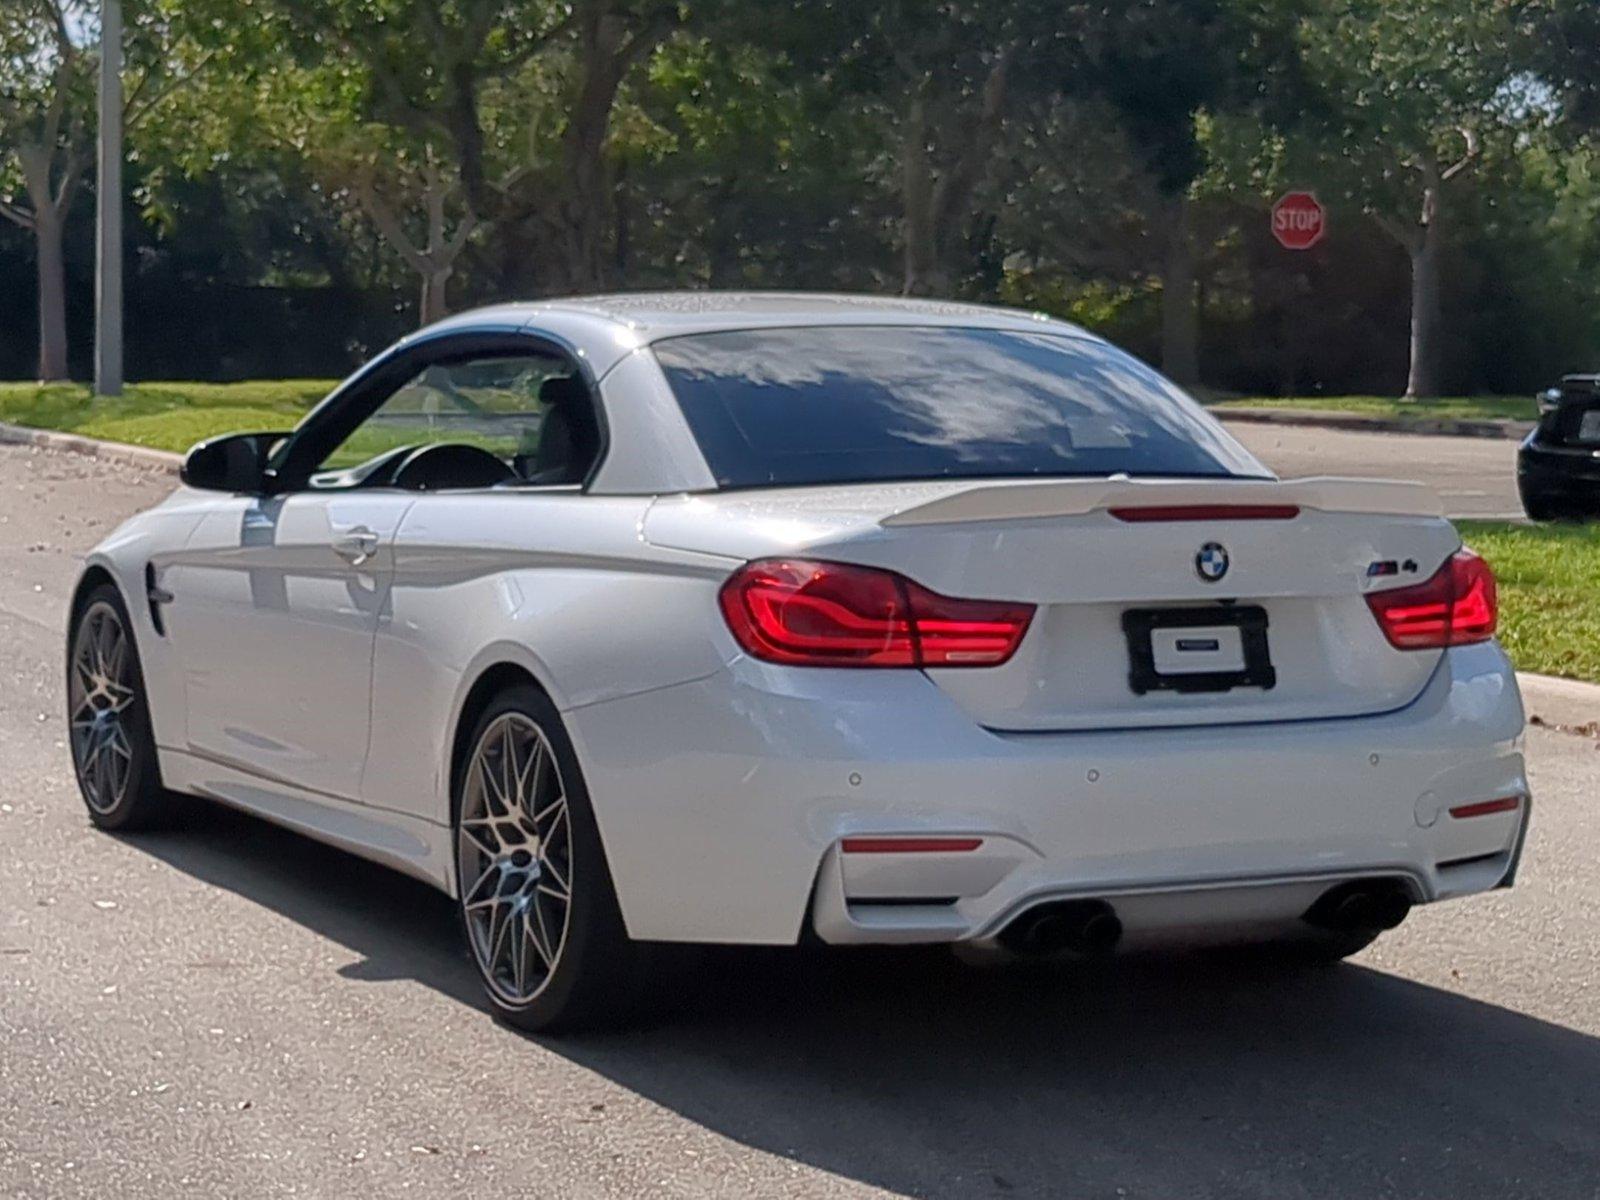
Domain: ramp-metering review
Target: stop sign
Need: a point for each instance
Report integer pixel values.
(1299, 220)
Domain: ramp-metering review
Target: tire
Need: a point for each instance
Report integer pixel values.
(537, 905)
(108, 719)
(1539, 509)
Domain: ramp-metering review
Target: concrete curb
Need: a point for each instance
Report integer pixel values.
(117, 452)
(1436, 426)
(1564, 704)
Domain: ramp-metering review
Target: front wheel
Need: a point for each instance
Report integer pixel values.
(113, 749)
(537, 904)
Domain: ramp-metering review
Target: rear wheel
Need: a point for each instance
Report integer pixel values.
(113, 749)
(537, 904)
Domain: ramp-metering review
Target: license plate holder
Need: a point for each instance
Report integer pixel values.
(1228, 644)
(1589, 426)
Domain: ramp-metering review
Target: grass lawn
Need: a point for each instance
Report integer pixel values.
(1515, 408)
(165, 416)
(1549, 593)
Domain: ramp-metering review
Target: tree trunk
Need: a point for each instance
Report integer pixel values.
(921, 275)
(1423, 380)
(1180, 324)
(433, 306)
(52, 295)
(585, 212)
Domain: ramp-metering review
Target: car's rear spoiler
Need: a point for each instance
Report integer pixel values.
(1217, 498)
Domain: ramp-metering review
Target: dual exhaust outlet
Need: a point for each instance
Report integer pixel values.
(1092, 928)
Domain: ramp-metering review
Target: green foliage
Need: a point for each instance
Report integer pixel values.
(165, 416)
(1549, 605)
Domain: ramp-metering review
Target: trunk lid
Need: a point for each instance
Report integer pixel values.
(1572, 418)
(1130, 630)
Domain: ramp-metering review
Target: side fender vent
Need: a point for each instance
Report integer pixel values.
(155, 596)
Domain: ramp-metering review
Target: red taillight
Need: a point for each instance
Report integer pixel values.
(1457, 606)
(1486, 808)
(821, 614)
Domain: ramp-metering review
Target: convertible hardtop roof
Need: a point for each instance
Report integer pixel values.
(624, 320)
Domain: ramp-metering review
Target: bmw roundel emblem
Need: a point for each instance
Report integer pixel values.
(1211, 563)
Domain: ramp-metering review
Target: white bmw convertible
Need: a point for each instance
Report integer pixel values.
(745, 618)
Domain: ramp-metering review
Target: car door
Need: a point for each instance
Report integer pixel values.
(276, 601)
(274, 605)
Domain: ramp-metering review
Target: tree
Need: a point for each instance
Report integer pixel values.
(1412, 97)
(48, 58)
(46, 96)
(513, 102)
(937, 79)
(739, 170)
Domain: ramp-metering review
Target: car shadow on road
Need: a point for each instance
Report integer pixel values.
(917, 1075)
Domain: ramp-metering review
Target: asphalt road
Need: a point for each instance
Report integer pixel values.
(228, 1010)
(1476, 477)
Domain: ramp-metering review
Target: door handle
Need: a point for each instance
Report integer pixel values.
(356, 545)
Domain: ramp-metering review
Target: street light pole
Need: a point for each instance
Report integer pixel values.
(108, 241)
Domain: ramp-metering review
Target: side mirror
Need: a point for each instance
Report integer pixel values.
(235, 463)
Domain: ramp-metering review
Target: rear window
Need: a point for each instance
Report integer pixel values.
(852, 404)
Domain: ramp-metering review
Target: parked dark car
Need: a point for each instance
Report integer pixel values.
(1558, 467)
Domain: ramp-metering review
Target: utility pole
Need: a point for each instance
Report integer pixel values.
(108, 240)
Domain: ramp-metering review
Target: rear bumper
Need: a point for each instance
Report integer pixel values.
(723, 803)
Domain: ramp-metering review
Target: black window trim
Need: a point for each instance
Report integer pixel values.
(326, 426)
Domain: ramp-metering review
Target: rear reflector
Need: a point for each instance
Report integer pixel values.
(1457, 606)
(821, 614)
(908, 845)
(1485, 807)
(1207, 512)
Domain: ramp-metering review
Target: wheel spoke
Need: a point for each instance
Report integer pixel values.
(541, 936)
(118, 660)
(508, 769)
(469, 833)
(102, 647)
(519, 948)
(553, 812)
(494, 800)
(470, 897)
(500, 920)
(85, 679)
(555, 893)
(548, 868)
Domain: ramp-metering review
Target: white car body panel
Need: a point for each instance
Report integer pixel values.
(583, 615)
(276, 632)
(328, 695)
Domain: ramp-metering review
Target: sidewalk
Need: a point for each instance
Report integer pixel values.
(1564, 704)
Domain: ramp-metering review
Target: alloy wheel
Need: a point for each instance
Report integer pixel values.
(101, 695)
(514, 858)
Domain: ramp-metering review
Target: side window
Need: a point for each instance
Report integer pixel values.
(529, 411)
